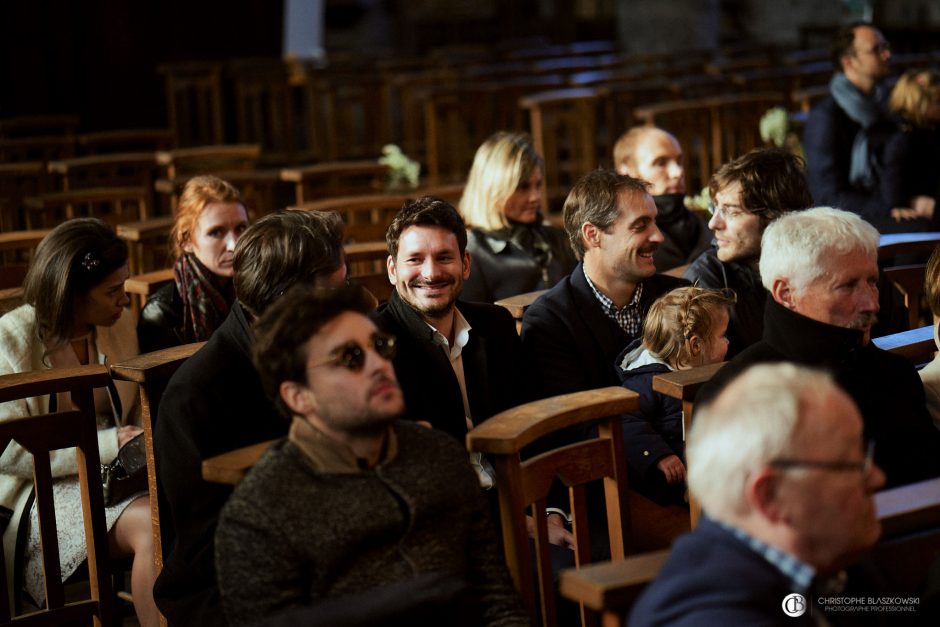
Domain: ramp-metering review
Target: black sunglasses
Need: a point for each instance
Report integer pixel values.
(352, 355)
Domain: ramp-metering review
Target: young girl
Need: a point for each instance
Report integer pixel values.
(683, 329)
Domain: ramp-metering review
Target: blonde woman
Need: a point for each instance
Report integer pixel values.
(209, 220)
(911, 175)
(511, 250)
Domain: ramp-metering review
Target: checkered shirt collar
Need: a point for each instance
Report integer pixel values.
(629, 317)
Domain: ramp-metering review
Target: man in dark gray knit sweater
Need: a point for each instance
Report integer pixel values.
(352, 500)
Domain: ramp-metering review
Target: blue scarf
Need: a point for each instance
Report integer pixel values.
(865, 111)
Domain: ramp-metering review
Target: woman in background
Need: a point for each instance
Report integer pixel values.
(210, 218)
(511, 250)
(74, 315)
(912, 157)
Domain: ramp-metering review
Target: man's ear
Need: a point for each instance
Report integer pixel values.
(761, 492)
(591, 235)
(297, 397)
(466, 264)
(390, 266)
(783, 293)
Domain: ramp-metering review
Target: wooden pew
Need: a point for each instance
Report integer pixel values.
(112, 204)
(148, 241)
(334, 178)
(909, 280)
(910, 543)
(517, 305)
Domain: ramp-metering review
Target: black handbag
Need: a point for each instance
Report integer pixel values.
(127, 474)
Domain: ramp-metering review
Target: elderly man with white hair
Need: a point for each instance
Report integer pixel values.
(821, 269)
(780, 467)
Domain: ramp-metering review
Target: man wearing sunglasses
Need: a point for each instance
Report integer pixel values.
(747, 194)
(785, 480)
(847, 132)
(820, 267)
(353, 499)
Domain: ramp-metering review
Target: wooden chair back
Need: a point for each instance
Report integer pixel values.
(523, 484)
(45, 435)
(260, 189)
(366, 265)
(910, 543)
(140, 286)
(44, 148)
(122, 169)
(17, 181)
(16, 249)
(563, 124)
(194, 102)
(147, 243)
(334, 178)
(112, 204)
(909, 280)
(152, 372)
(231, 467)
(892, 244)
(35, 125)
(127, 140)
(10, 299)
(457, 120)
(206, 159)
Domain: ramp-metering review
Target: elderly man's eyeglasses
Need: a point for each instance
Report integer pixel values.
(863, 466)
(352, 355)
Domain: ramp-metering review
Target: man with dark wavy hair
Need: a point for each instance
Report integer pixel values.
(747, 194)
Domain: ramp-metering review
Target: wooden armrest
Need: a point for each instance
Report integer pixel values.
(685, 384)
(519, 303)
(41, 382)
(510, 431)
(15, 240)
(612, 585)
(154, 364)
(63, 166)
(911, 344)
(892, 244)
(576, 93)
(95, 194)
(222, 151)
(365, 251)
(230, 468)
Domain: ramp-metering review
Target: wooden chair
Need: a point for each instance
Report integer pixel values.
(140, 286)
(208, 158)
(523, 485)
(16, 248)
(10, 299)
(152, 372)
(17, 181)
(231, 467)
(194, 102)
(123, 169)
(112, 204)
(365, 262)
(893, 244)
(127, 140)
(334, 178)
(42, 435)
(910, 543)
(457, 120)
(909, 280)
(148, 243)
(43, 148)
(564, 128)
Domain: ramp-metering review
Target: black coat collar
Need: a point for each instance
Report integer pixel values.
(805, 340)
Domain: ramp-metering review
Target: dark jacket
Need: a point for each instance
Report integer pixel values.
(570, 341)
(685, 234)
(213, 404)
(713, 579)
(885, 387)
(495, 375)
(747, 315)
(654, 431)
(161, 320)
(502, 267)
(827, 142)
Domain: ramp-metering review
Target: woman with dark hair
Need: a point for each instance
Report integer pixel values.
(511, 250)
(210, 218)
(74, 315)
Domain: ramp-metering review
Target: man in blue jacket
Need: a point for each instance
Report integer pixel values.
(781, 470)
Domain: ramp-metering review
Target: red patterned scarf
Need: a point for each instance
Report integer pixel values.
(206, 298)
